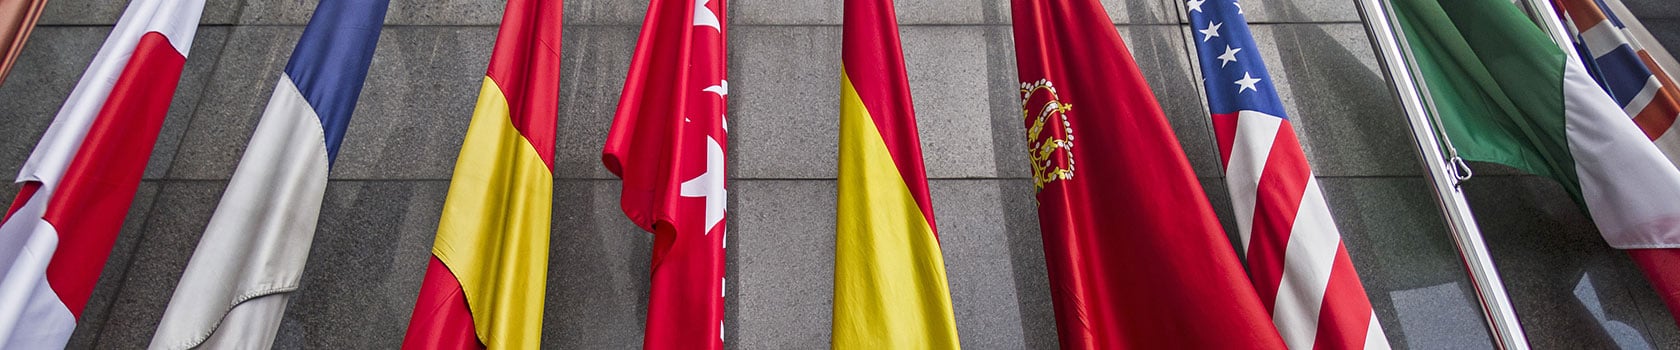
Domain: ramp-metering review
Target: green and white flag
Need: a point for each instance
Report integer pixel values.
(1505, 93)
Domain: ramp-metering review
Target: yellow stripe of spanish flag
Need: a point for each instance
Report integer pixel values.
(494, 232)
(889, 278)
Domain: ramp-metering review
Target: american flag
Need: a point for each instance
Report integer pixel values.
(1294, 253)
(1626, 70)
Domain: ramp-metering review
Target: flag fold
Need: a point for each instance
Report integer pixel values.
(1136, 257)
(82, 176)
(890, 290)
(490, 254)
(1294, 252)
(234, 291)
(668, 142)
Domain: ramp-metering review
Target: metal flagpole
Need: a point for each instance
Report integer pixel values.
(1547, 18)
(1445, 173)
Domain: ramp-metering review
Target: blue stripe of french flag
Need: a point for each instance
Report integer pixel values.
(251, 257)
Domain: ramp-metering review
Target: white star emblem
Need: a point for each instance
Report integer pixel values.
(704, 17)
(1229, 56)
(722, 90)
(1195, 5)
(1238, 5)
(1211, 31)
(710, 185)
(1247, 83)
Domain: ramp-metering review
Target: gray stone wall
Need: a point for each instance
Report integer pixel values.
(388, 186)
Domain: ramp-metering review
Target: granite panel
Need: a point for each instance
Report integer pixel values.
(120, 262)
(974, 237)
(1646, 10)
(50, 67)
(1562, 277)
(216, 137)
(1407, 261)
(598, 264)
(105, 12)
(607, 12)
(784, 245)
(1119, 11)
(46, 71)
(784, 12)
(784, 107)
(368, 258)
(144, 282)
(1026, 258)
(416, 103)
(451, 12)
(1008, 139)
(1337, 100)
(1666, 30)
(400, 12)
(595, 61)
(911, 12)
(947, 71)
(1285, 11)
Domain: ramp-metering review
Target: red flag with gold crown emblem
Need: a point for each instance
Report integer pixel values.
(1137, 259)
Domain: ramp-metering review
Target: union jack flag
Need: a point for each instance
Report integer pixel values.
(1626, 70)
(1294, 252)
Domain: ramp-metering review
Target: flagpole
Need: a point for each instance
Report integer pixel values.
(1496, 305)
(1547, 18)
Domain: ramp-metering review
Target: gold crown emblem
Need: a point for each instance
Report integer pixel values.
(1051, 151)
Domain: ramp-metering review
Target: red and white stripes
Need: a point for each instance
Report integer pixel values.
(1294, 252)
(79, 181)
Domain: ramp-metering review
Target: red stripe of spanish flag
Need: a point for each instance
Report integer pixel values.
(490, 263)
(889, 278)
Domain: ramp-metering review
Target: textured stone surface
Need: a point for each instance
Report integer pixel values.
(784, 107)
(415, 106)
(595, 59)
(1650, 9)
(1406, 261)
(785, 248)
(1561, 275)
(598, 263)
(370, 253)
(381, 210)
(1337, 100)
(106, 12)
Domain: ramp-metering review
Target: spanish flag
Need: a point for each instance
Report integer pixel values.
(485, 285)
(889, 278)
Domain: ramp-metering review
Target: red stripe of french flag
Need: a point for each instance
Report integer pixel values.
(83, 174)
(1295, 256)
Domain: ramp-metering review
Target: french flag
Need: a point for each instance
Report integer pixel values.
(249, 261)
(78, 183)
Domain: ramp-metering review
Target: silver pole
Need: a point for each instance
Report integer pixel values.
(1547, 18)
(1496, 305)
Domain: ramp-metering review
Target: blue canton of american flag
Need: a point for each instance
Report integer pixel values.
(1295, 257)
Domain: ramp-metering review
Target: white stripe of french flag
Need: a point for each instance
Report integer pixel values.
(82, 176)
